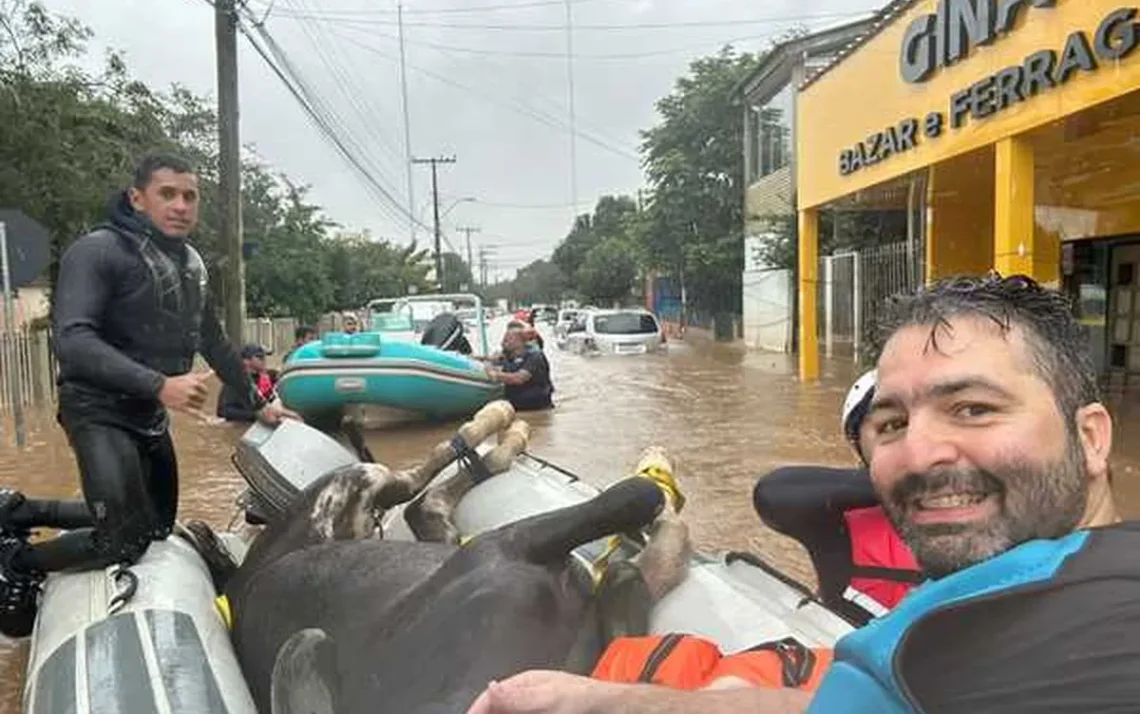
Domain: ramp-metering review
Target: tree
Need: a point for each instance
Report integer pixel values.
(608, 273)
(456, 274)
(538, 282)
(693, 223)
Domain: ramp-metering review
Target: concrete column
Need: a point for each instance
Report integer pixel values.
(1014, 224)
(808, 286)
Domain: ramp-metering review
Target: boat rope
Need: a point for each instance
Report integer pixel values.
(664, 480)
(125, 593)
(470, 460)
(222, 604)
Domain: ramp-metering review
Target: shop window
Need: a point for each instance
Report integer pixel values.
(770, 134)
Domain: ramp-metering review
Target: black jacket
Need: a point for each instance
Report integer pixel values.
(132, 306)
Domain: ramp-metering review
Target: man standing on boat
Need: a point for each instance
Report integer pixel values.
(991, 457)
(132, 308)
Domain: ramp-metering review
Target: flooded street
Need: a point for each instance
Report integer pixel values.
(726, 415)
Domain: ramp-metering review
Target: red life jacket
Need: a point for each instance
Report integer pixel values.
(885, 568)
(264, 385)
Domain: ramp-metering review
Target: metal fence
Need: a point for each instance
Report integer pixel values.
(28, 366)
(853, 286)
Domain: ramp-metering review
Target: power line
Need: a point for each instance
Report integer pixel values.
(558, 55)
(537, 95)
(280, 66)
(530, 112)
(518, 27)
(463, 9)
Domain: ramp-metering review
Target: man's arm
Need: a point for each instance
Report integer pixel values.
(550, 692)
(650, 699)
(86, 284)
(224, 358)
(514, 378)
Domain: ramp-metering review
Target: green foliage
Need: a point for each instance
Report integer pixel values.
(608, 273)
(690, 224)
(71, 139)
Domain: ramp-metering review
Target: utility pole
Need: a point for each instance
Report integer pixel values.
(485, 252)
(435, 161)
(570, 98)
(407, 127)
(229, 169)
(469, 230)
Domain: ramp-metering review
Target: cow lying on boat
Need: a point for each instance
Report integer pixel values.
(327, 616)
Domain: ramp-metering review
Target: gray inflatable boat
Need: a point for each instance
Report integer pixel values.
(734, 599)
(151, 642)
(154, 642)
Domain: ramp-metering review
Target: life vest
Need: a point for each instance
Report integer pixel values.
(864, 677)
(691, 662)
(264, 385)
(885, 569)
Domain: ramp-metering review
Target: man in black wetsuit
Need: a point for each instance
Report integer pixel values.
(132, 308)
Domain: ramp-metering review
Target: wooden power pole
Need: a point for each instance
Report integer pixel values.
(229, 170)
(435, 161)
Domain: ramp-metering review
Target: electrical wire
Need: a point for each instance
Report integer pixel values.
(472, 9)
(274, 58)
(522, 109)
(518, 27)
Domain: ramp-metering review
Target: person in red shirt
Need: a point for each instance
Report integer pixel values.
(863, 566)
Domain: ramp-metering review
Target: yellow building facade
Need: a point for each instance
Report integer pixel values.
(1012, 129)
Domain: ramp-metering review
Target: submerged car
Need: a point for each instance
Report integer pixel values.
(566, 320)
(620, 332)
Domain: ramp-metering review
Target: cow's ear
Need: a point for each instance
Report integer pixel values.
(305, 678)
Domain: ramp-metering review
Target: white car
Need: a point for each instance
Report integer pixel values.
(566, 319)
(621, 332)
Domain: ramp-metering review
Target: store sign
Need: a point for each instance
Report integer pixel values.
(1115, 38)
(958, 26)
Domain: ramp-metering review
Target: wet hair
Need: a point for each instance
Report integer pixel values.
(150, 163)
(1058, 347)
(303, 331)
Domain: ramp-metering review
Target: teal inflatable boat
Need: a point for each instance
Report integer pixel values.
(367, 369)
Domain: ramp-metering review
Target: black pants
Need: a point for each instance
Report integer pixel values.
(130, 484)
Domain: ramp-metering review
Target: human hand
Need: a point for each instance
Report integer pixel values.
(186, 392)
(272, 414)
(544, 692)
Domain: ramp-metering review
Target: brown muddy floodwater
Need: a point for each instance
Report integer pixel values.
(727, 417)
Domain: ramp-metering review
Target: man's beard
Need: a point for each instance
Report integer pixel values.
(1034, 500)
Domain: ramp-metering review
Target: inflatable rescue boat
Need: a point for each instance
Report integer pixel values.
(151, 639)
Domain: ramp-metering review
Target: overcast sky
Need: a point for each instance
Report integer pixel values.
(487, 83)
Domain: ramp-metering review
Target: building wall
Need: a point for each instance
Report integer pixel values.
(768, 312)
(770, 196)
(865, 94)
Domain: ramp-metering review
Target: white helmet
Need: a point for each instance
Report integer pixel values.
(855, 407)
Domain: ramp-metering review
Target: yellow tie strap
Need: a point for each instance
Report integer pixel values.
(664, 480)
(222, 603)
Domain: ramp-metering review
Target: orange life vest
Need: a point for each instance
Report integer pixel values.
(691, 662)
(885, 568)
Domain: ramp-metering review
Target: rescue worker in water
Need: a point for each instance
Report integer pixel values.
(132, 308)
(990, 456)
